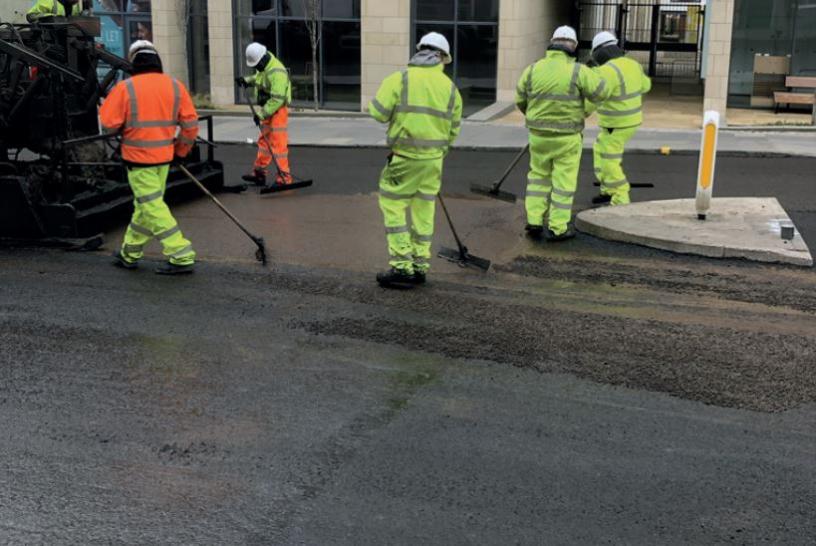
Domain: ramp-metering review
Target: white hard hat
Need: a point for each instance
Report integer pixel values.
(604, 38)
(254, 54)
(565, 33)
(437, 41)
(141, 47)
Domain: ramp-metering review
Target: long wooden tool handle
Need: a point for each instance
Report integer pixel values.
(215, 200)
(511, 167)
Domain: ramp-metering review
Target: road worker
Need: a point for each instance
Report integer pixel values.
(148, 109)
(273, 93)
(54, 8)
(618, 117)
(424, 111)
(551, 94)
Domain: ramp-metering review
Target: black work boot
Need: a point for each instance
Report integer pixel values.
(602, 200)
(534, 232)
(419, 277)
(255, 177)
(120, 261)
(553, 238)
(396, 278)
(174, 269)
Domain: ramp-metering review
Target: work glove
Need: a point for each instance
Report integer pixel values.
(241, 82)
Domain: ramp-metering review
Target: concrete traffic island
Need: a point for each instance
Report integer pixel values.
(746, 227)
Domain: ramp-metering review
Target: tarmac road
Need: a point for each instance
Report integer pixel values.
(580, 394)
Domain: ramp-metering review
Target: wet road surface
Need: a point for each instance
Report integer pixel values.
(585, 393)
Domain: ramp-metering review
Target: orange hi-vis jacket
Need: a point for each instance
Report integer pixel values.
(148, 109)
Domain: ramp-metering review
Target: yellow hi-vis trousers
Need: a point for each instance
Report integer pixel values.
(410, 183)
(608, 159)
(553, 179)
(152, 218)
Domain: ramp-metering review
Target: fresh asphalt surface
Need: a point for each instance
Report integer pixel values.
(601, 393)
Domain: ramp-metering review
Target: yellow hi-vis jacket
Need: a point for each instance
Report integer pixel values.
(628, 83)
(551, 94)
(47, 8)
(273, 89)
(424, 110)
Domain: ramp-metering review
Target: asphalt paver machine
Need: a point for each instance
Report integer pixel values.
(60, 178)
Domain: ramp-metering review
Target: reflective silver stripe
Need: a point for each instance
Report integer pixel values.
(598, 90)
(562, 193)
(456, 124)
(426, 196)
(397, 229)
(611, 156)
(620, 113)
(176, 99)
(279, 97)
(557, 205)
(148, 143)
(621, 80)
(110, 130)
(183, 139)
(537, 193)
(281, 156)
(404, 94)
(273, 70)
(134, 104)
(616, 184)
(621, 98)
(538, 124)
(550, 96)
(421, 261)
(150, 124)
(407, 257)
(421, 238)
(417, 142)
(165, 234)
(149, 197)
(573, 88)
(395, 196)
(380, 108)
(132, 248)
(141, 230)
(530, 80)
(424, 110)
(188, 124)
(183, 252)
(452, 101)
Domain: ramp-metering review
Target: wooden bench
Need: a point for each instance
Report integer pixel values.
(788, 98)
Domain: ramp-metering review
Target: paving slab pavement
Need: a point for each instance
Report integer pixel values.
(746, 227)
(367, 133)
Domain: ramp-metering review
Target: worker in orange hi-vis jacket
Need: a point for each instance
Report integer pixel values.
(149, 109)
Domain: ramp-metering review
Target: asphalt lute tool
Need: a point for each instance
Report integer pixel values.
(297, 183)
(494, 190)
(460, 256)
(260, 254)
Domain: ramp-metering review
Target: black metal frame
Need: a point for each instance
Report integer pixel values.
(238, 52)
(654, 45)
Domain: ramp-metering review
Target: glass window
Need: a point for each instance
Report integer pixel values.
(198, 47)
(477, 54)
(803, 61)
(140, 30)
(478, 10)
(341, 73)
(341, 9)
(472, 30)
(281, 26)
(435, 10)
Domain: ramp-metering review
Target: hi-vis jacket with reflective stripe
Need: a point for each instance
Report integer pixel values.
(627, 82)
(47, 8)
(424, 110)
(272, 87)
(148, 109)
(551, 94)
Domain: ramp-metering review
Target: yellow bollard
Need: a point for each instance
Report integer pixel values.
(708, 160)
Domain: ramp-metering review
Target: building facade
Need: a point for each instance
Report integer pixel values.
(732, 52)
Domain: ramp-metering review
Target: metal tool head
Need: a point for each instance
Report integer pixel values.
(493, 192)
(463, 258)
(260, 254)
(275, 188)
